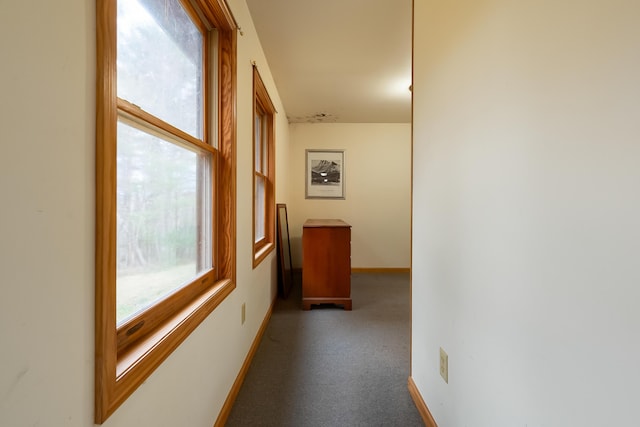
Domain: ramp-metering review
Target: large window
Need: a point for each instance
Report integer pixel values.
(165, 161)
(263, 171)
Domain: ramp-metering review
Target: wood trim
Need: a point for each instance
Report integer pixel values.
(195, 16)
(263, 252)
(420, 404)
(381, 270)
(262, 101)
(271, 175)
(105, 268)
(141, 117)
(260, 92)
(218, 14)
(235, 388)
(119, 371)
(226, 178)
(145, 356)
(150, 319)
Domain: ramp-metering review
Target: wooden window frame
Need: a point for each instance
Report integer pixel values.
(125, 356)
(263, 106)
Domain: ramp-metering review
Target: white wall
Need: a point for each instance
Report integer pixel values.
(526, 235)
(47, 126)
(377, 188)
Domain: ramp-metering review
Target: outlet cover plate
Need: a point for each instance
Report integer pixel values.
(444, 365)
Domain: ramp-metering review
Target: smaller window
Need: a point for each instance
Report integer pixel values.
(263, 171)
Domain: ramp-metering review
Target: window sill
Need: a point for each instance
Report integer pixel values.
(262, 253)
(138, 361)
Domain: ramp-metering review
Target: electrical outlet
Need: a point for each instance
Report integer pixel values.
(244, 312)
(444, 365)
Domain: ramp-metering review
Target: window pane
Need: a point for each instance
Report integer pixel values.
(160, 62)
(260, 208)
(163, 230)
(258, 147)
(263, 142)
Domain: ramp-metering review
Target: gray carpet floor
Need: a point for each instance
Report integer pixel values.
(330, 367)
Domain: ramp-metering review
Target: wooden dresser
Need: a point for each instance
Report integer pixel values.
(326, 263)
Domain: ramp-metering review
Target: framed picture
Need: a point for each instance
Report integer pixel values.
(324, 174)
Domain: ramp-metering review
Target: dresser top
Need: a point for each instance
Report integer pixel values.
(325, 223)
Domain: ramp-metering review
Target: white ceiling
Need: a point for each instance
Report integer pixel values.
(345, 61)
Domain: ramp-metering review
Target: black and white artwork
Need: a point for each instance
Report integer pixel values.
(325, 174)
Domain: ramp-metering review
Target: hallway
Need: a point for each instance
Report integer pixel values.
(330, 367)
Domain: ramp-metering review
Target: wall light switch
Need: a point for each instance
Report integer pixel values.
(444, 365)
(244, 312)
